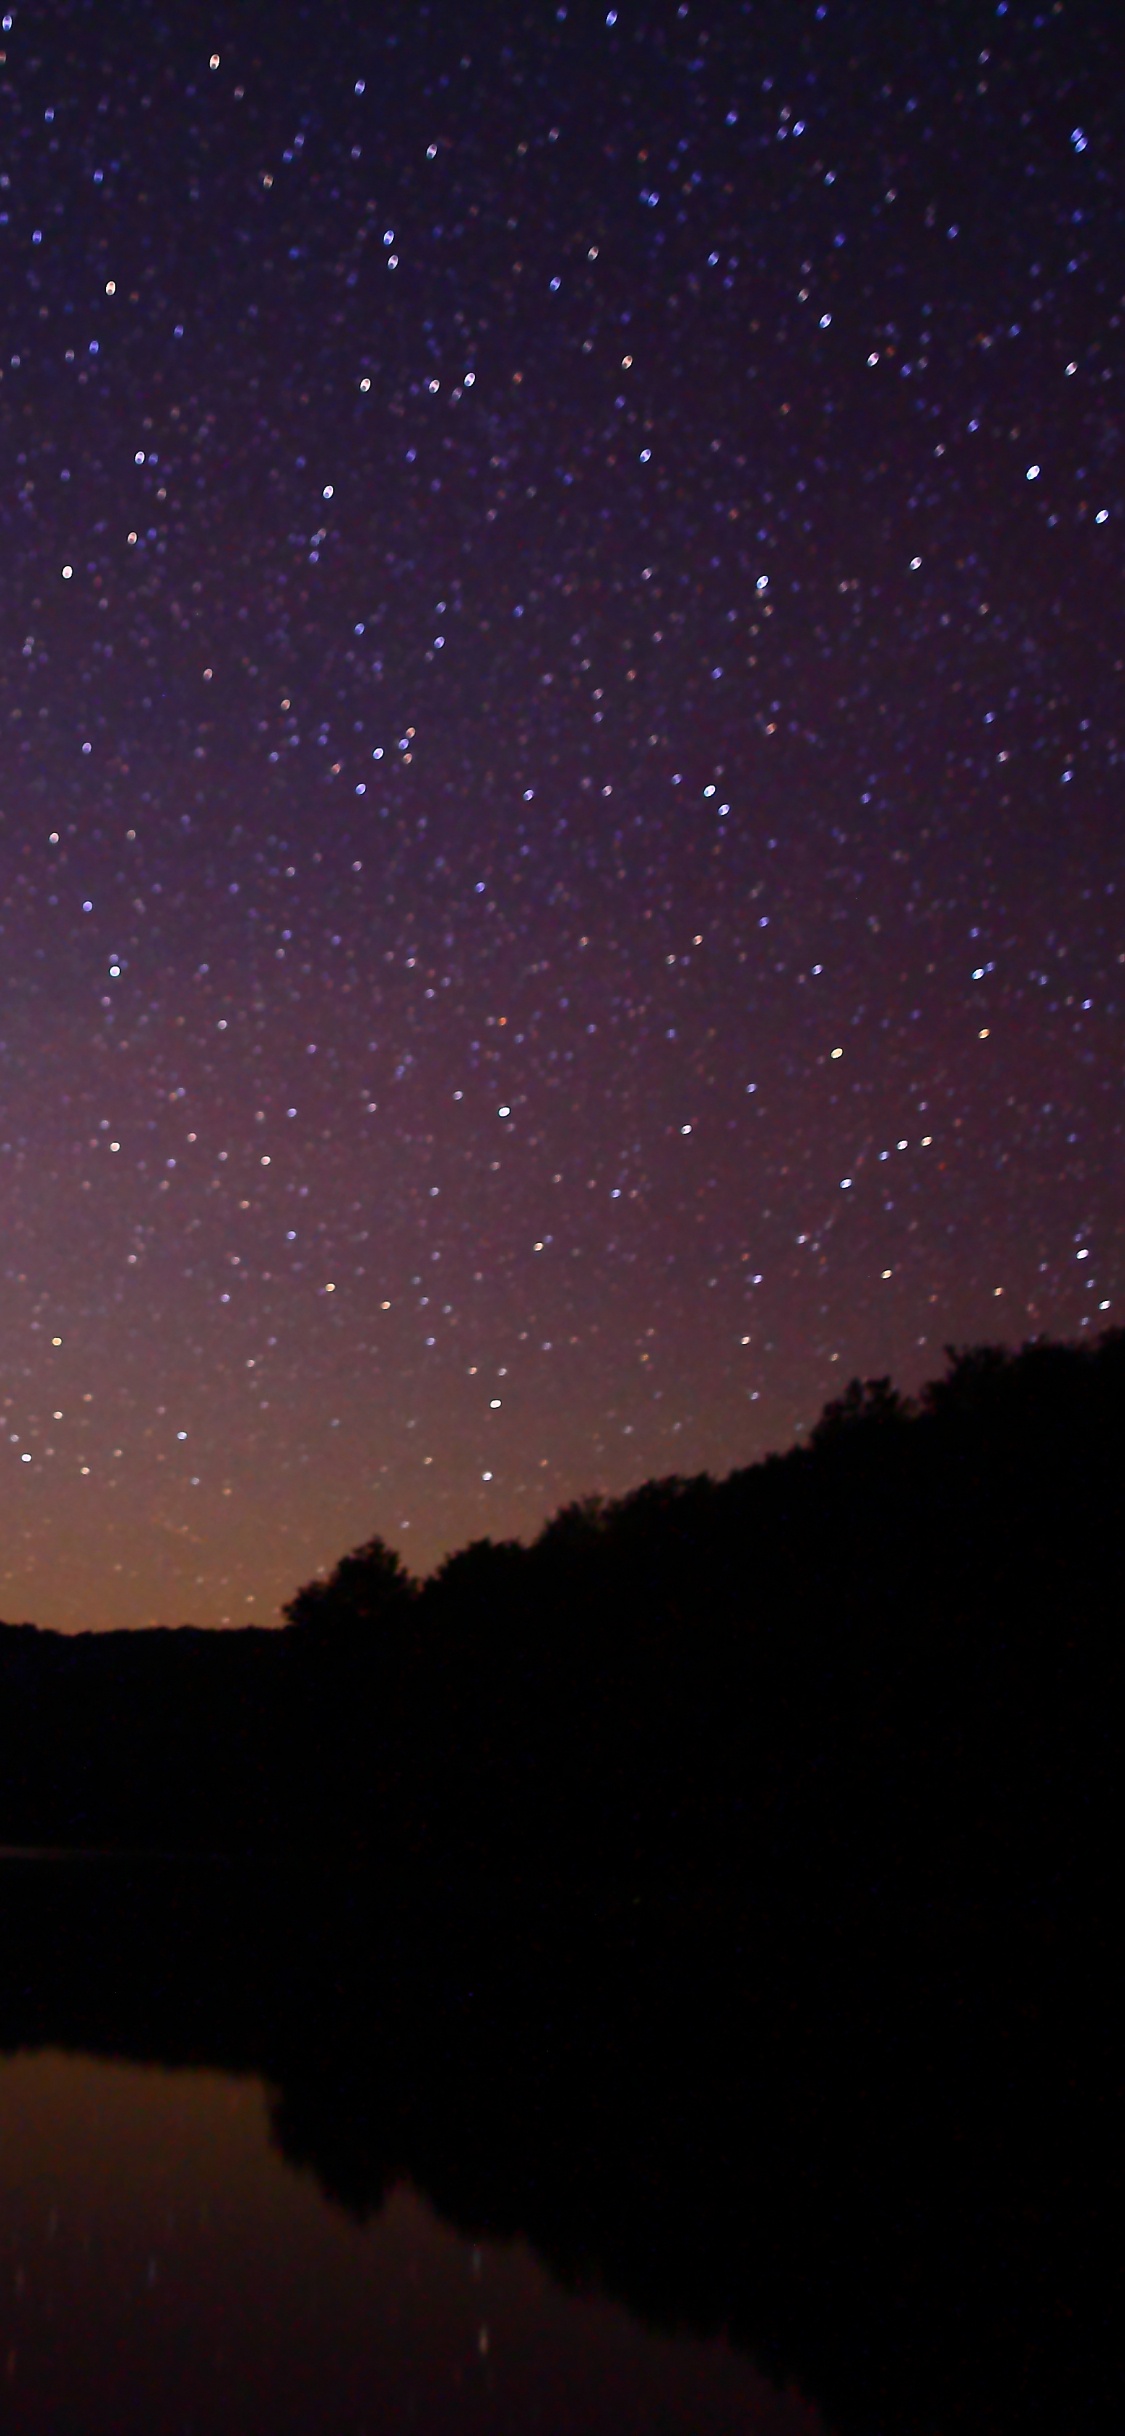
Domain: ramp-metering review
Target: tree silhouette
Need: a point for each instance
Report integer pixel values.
(483, 1571)
(369, 1589)
(867, 1403)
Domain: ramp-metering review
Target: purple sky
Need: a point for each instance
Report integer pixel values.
(560, 755)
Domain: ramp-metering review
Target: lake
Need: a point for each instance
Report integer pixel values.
(163, 2268)
(297, 2148)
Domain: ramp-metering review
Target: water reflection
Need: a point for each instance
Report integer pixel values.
(162, 2269)
(369, 2157)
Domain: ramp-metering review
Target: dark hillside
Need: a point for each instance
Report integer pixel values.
(884, 1664)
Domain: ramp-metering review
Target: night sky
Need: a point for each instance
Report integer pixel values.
(561, 833)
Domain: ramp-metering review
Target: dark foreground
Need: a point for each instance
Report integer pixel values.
(720, 1891)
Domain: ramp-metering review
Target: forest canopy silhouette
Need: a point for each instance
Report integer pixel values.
(885, 1658)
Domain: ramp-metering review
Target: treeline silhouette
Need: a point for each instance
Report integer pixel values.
(886, 1660)
(719, 1890)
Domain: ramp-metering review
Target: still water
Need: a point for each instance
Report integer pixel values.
(164, 2271)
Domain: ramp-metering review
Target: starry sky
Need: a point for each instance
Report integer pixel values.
(561, 869)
